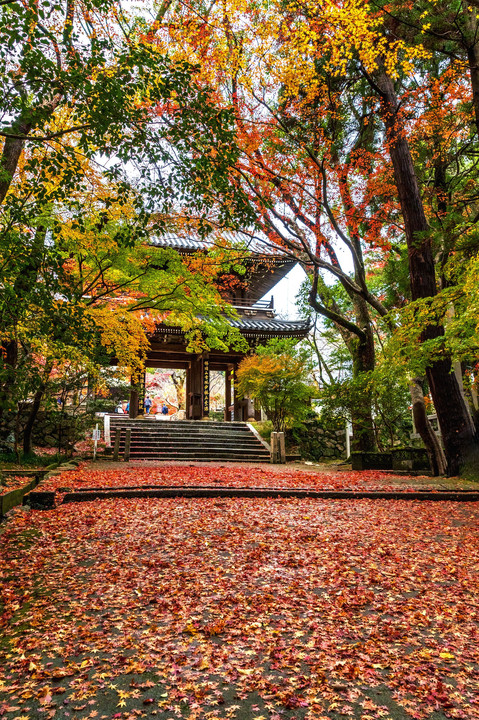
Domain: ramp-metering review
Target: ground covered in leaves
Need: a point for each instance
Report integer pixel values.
(230, 475)
(261, 609)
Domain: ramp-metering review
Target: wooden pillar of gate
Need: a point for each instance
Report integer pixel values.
(206, 385)
(134, 399)
(137, 394)
(228, 374)
(187, 391)
(198, 387)
(238, 413)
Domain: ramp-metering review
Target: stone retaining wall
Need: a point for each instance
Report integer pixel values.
(316, 442)
(49, 430)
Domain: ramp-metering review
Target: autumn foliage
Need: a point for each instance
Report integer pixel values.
(277, 377)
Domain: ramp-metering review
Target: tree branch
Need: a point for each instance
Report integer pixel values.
(44, 138)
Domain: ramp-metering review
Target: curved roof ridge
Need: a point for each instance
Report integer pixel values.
(190, 242)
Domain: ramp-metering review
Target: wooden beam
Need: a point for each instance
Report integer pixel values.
(167, 364)
(169, 347)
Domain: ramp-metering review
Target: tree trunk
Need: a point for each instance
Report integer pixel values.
(10, 359)
(32, 416)
(28, 429)
(358, 338)
(473, 60)
(458, 432)
(25, 280)
(425, 429)
(364, 359)
(469, 18)
(12, 149)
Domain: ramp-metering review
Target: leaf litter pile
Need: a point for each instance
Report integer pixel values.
(261, 609)
(85, 476)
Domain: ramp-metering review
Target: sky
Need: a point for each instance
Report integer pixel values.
(285, 292)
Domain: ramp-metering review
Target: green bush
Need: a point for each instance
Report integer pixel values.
(264, 428)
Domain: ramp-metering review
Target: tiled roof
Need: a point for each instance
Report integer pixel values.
(255, 328)
(263, 326)
(192, 243)
(181, 243)
(265, 267)
(270, 325)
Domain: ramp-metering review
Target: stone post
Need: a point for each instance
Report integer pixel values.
(274, 447)
(116, 449)
(126, 455)
(106, 430)
(281, 448)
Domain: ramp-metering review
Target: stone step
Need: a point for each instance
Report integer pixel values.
(198, 442)
(175, 433)
(210, 443)
(189, 440)
(172, 433)
(119, 420)
(195, 452)
(198, 437)
(191, 457)
(135, 432)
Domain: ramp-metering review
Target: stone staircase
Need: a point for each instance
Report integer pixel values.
(187, 440)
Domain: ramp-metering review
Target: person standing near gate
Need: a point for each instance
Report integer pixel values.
(148, 404)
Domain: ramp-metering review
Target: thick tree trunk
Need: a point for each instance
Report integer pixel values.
(471, 42)
(13, 146)
(473, 60)
(12, 149)
(458, 432)
(425, 429)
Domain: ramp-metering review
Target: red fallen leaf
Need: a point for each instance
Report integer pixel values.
(186, 476)
(293, 702)
(267, 569)
(148, 701)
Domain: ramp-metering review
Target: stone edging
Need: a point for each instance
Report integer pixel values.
(43, 500)
(21, 495)
(15, 497)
